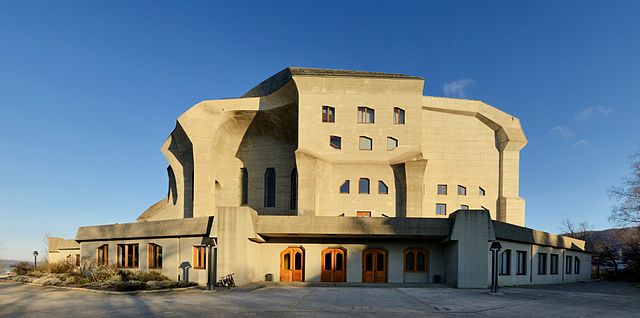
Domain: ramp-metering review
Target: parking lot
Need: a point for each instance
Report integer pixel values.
(569, 300)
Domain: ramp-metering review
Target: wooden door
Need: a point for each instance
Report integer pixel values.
(374, 265)
(334, 265)
(292, 265)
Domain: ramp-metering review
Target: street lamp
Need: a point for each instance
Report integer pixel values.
(495, 248)
(35, 259)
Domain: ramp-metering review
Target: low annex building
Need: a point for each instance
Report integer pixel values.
(341, 176)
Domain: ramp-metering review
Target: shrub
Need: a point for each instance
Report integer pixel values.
(64, 266)
(48, 280)
(129, 285)
(22, 268)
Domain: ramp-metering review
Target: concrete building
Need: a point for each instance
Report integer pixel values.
(341, 176)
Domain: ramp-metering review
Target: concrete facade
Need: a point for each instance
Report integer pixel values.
(250, 177)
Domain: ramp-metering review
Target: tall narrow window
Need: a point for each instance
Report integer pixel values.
(462, 190)
(199, 257)
(567, 264)
(103, 254)
(328, 114)
(542, 263)
(335, 142)
(77, 259)
(441, 209)
(504, 263)
(481, 192)
(366, 143)
(382, 187)
(245, 186)
(442, 189)
(398, 115)
(554, 264)
(366, 115)
(270, 188)
(294, 189)
(521, 264)
(363, 186)
(576, 269)
(344, 188)
(392, 143)
(127, 255)
(155, 256)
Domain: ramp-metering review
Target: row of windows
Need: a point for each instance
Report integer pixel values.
(128, 256)
(441, 208)
(504, 263)
(364, 143)
(462, 190)
(366, 115)
(269, 188)
(364, 185)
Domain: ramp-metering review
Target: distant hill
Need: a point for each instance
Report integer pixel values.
(6, 264)
(608, 235)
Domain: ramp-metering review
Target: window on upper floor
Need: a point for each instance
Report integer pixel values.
(293, 203)
(366, 115)
(442, 189)
(335, 142)
(382, 187)
(363, 214)
(344, 188)
(366, 143)
(481, 192)
(244, 192)
(270, 188)
(464, 207)
(328, 114)
(363, 186)
(462, 190)
(441, 209)
(398, 115)
(392, 143)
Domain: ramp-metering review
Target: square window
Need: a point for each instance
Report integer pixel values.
(344, 188)
(335, 142)
(442, 189)
(398, 116)
(328, 114)
(392, 143)
(462, 190)
(366, 143)
(366, 115)
(441, 209)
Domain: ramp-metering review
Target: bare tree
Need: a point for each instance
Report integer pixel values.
(580, 231)
(627, 211)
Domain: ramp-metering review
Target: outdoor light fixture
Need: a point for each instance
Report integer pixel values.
(35, 259)
(495, 248)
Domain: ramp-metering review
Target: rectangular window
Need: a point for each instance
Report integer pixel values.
(504, 263)
(442, 189)
(344, 188)
(382, 187)
(77, 259)
(366, 115)
(328, 114)
(576, 269)
(462, 190)
(363, 214)
(554, 264)
(366, 143)
(335, 142)
(521, 264)
(481, 192)
(199, 257)
(441, 209)
(398, 116)
(244, 197)
(542, 263)
(127, 255)
(464, 207)
(103, 254)
(155, 256)
(363, 186)
(567, 265)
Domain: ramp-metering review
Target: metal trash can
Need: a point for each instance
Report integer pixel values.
(268, 277)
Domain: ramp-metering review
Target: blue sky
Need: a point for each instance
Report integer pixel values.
(89, 90)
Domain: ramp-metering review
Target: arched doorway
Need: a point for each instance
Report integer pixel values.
(292, 265)
(334, 265)
(374, 265)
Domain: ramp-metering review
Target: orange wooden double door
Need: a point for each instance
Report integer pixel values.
(292, 265)
(334, 265)
(374, 265)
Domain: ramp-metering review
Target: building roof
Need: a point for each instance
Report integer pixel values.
(510, 232)
(200, 226)
(278, 80)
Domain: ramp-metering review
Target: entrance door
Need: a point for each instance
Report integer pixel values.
(292, 265)
(334, 265)
(374, 265)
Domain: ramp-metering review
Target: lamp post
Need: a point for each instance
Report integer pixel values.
(35, 259)
(495, 248)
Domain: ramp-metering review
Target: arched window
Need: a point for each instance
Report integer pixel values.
(366, 143)
(294, 189)
(270, 188)
(416, 260)
(245, 186)
(363, 186)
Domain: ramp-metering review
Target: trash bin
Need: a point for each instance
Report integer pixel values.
(437, 279)
(268, 277)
